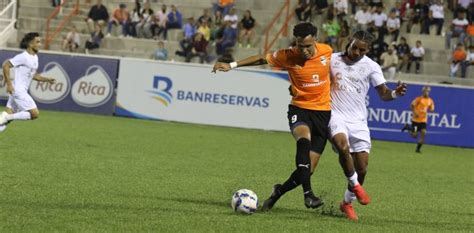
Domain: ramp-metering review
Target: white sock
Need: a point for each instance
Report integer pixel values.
(19, 116)
(353, 180)
(349, 196)
(2, 128)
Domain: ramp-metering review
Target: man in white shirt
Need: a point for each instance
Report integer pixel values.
(458, 28)
(363, 17)
(340, 7)
(417, 54)
(233, 18)
(393, 25)
(379, 18)
(352, 73)
(436, 16)
(72, 40)
(20, 105)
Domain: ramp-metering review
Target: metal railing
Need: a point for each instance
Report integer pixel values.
(289, 13)
(7, 20)
(51, 35)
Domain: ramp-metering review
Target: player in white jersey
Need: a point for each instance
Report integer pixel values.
(20, 105)
(352, 73)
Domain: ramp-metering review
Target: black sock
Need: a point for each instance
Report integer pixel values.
(418, 147)
(303, 164)
(292, 182)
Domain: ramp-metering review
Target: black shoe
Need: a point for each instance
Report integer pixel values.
(418, 151)
(405, 127)
(270, 202)
(312, 202)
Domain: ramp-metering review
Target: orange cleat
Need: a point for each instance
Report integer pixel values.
(349, 211)
(361, 195)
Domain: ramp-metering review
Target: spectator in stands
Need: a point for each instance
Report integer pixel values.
(189, 29)
(186, 47)
(332, 28)
(96, 38)
(457, 29)
(416, 56)
(227, 56)
(224, 6)
(143, 28)
(340, 8)
(135, 19)
(362, 18)
(247, 29)
(233, 18)
(377, 48)
(205, 30)
(158, 23)
(175, 19)
(229, 37)
(403, 52)
(343, 35)
(376, 3)
(217, 25)
(320, 6)
(161, 53)
(393, 26)
(354, 4)
(436, 16)
(98, 14)
(470, 33)
(198, 49)
(468, 62)
(72, 40)
(119, 17)
(379, 18)
(389, 62)
(419, 15)
(458, 57)
(205, 17)
(303, 10)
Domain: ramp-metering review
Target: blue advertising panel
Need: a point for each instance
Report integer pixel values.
(83, 83)
(451, 124)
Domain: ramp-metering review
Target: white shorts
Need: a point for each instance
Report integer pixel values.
(358, 134)
(21, 102)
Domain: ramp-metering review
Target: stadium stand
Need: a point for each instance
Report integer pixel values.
(33, 14)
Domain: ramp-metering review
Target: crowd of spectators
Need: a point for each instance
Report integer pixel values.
(392, 52)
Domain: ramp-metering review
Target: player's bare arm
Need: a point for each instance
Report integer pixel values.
(7, 65)
(249, 61)
(386, 94)
(40, 78)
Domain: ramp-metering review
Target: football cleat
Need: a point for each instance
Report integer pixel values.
(361, 195)
(347, 209)
(270, 202)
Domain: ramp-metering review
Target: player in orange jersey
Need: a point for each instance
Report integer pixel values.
(420, 106)
(309, 112)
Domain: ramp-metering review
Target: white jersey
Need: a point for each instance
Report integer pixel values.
(349, 87)
(25, 69)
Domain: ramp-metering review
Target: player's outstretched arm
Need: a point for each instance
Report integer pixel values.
(249, 61)
(7, 65)
(386, 94)
(40, 78)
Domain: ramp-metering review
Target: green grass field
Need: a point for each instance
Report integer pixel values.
(80, 173)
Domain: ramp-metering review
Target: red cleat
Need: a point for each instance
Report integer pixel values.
(349, 211)
(361, 195)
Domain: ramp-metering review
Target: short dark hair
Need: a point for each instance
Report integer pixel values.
(305, 29)
(27, 39)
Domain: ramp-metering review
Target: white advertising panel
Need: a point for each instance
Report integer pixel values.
(189, 93)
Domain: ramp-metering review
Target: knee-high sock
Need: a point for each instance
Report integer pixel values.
(303, 163)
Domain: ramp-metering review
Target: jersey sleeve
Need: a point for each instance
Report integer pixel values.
(278, 58)
(415, 101)
(18, 60)
(376, 76)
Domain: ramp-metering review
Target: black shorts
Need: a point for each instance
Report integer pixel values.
(317, 121)
(418, 126)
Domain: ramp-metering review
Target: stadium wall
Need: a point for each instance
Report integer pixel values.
(245, 98)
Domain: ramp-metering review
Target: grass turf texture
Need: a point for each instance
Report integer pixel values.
(75, 172)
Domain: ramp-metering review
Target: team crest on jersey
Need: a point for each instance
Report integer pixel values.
(323, 60)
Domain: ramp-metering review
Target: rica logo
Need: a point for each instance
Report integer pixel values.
(161, 90)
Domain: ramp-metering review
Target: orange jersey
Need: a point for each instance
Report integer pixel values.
(421, 107)
(310, 82)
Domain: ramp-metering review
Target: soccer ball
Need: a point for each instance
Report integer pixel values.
(244, 201)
